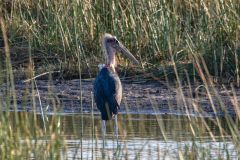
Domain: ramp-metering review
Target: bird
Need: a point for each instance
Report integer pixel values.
(107, 86)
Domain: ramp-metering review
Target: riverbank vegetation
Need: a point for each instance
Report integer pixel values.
(184, 34)
(183, 41)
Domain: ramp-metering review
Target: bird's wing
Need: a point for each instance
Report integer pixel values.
(107, 88)
(99, 95)
(113, 90)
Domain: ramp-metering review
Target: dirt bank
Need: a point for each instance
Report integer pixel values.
(146, 97)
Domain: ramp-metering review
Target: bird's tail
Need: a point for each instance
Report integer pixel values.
(107, 115)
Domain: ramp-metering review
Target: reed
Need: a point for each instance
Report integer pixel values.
(68, 30)
(186, 41)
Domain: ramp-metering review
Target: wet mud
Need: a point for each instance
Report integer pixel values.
(146, 97)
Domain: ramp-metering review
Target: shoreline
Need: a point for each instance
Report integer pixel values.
(138, 98)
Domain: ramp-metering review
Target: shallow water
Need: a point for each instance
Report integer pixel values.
(145, 137)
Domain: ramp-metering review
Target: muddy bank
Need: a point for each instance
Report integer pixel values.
(146, 97)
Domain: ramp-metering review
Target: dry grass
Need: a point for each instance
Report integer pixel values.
(203, 34)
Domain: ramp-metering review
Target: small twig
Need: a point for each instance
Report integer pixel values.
(40, 76)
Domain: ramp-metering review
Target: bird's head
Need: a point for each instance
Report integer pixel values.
(111, 46)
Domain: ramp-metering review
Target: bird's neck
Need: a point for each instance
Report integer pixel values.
(110, 57)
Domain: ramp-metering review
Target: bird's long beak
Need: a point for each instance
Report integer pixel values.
(121, 48)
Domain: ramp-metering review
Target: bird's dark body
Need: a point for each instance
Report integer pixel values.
(107, 93)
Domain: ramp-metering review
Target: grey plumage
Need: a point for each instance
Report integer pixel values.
(107, 86)
(107, 93)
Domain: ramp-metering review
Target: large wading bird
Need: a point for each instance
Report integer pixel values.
(107, 86)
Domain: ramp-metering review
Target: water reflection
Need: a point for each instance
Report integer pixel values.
(143, 126)
(141, 137)
(146, 137)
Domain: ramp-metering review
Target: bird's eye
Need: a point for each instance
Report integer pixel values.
(116, 41)
(113, 41)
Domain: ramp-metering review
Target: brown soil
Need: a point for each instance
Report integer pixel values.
(146, 97)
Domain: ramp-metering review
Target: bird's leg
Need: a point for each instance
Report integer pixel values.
(116, 152)
(103, 137)
(116, 129)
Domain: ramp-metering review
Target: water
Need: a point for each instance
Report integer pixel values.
(140, 137)
(145, 137)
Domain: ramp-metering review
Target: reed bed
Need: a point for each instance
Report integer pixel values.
(185, 41)
(156, 32)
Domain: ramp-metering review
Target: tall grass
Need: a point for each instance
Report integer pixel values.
(185, 39)
(68, 29)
